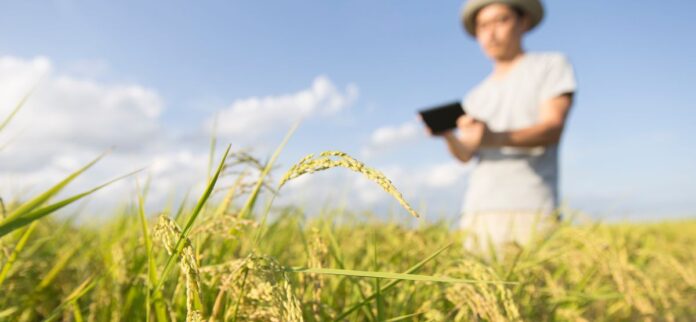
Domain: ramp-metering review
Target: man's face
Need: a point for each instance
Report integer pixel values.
(499, 30)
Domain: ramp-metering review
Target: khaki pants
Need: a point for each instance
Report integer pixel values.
(493, 230)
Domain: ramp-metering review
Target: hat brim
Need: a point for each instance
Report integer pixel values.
(533, 8)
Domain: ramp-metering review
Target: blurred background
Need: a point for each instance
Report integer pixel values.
(149, 79)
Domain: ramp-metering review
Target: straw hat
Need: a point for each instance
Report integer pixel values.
(532, 8)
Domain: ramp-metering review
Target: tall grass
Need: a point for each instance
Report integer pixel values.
(237, 263)
(316, 269)
(603, 272)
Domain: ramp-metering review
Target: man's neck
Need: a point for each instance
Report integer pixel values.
(503, 65)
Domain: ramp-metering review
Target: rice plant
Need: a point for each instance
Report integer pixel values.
(223, 259)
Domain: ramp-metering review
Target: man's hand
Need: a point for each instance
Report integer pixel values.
(471, 136)
(465, 145)
(472, 132)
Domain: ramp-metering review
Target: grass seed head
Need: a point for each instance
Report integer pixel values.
(167, 231)
(332, 159)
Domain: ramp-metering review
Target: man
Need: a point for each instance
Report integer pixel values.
(513, 124)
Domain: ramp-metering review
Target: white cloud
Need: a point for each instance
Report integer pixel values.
(255, 116)
(389, 137)
(67, 122)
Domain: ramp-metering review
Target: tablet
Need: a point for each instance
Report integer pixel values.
(442, 117)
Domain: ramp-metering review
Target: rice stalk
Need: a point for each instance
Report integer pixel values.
(251, 200)
(160, 309)
(317, 259)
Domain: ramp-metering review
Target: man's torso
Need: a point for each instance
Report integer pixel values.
(514, 179)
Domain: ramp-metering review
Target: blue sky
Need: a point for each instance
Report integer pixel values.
(628, 150)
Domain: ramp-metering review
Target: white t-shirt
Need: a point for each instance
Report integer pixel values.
(517, 179)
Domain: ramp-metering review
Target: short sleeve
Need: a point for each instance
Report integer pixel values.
(559, 78)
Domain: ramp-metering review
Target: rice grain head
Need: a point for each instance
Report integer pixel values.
(268, 295)
(332, 159)
(488, 301)
(167, 231)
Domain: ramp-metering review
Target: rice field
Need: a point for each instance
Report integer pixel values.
(231, 255)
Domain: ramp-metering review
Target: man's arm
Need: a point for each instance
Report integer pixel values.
(474, 134)
(553, 114)
(456, 148)
(464, 146)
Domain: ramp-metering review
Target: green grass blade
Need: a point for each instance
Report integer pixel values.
(157, 298)
(179, 246)
(249, 205)
(182, 206)
(6, 313)
(57, 267)
(252, 198)
(240, 297)
(391, 284)
(213, 144)
(380, 298)
(10, 224)
(46, 195)
(18, 107)
(338, 257)
(80, 291)
(146, 187)
(403, 317)
(227, 200)
(76, 312)
(262, 227)
(18, 248)
(393, 276)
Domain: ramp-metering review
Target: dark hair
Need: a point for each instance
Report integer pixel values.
(518, 11)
